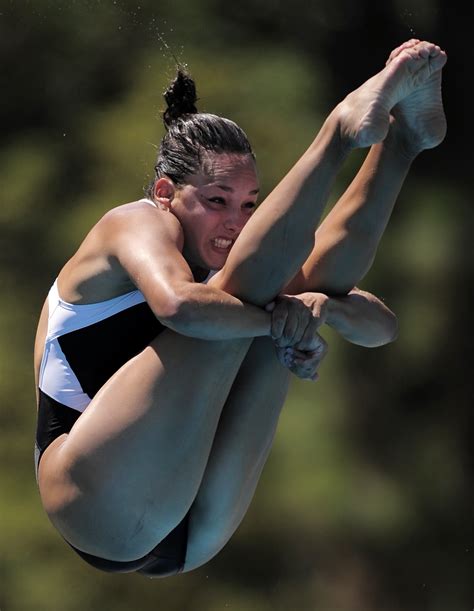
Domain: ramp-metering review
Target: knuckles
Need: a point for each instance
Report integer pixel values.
(293, 318)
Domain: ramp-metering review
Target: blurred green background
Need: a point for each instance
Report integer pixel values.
(366, 502)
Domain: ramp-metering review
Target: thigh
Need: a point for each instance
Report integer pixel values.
(131, 466)
(241, 447)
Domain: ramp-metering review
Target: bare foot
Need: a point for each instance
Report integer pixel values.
(420, 115)
(364, 115)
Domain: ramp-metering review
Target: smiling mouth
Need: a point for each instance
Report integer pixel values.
(222, 243)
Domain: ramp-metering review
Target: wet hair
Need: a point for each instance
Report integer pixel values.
(191, 135)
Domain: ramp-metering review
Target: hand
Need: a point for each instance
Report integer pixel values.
(296, 319)
(303, 364)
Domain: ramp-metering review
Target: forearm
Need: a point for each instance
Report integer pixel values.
(361, 318)
(347, 240)
(205, 312)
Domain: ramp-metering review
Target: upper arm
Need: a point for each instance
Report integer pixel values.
(147, 244)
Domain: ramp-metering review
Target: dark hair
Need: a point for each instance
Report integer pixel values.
(191, 134)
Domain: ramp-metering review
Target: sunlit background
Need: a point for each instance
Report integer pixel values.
(366, 503)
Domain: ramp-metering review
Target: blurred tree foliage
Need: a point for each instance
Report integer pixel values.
(366, 501)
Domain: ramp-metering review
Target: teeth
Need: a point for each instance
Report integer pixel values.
(222, 243)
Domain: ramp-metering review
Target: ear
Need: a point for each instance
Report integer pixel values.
(163, 192)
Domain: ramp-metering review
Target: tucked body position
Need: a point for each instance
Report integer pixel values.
(165, 346)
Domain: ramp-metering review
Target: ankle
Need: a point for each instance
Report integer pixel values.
(332, 136)
(400, 143)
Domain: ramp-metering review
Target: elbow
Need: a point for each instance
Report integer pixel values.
(178, 313)
(169, 311)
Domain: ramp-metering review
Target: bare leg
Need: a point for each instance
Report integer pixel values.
(347, 240)
(345, 247)
(241, 447)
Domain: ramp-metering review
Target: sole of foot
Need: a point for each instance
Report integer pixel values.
(409, 74)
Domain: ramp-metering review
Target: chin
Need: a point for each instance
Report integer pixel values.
(214, 262)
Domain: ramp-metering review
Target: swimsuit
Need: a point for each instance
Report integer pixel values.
(85, 345)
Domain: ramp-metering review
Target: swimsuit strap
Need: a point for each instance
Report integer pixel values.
(148, 201)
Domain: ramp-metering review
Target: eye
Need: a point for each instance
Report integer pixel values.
(217, 200)
(250, 205)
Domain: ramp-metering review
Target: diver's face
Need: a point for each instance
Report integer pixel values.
(214, 207)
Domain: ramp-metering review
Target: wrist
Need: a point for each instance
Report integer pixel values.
(267, 325)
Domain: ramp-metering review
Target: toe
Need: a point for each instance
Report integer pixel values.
(406, 45)
(438, 60)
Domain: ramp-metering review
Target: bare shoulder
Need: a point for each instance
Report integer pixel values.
(146, 244)
(137, 220)
(129, 240)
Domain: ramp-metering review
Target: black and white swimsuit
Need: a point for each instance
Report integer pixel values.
(85, 345)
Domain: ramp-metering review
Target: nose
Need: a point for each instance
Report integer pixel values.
(235, 221)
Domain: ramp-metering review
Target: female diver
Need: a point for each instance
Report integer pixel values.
(160, 382)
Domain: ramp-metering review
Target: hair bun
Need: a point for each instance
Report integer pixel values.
(180, 98)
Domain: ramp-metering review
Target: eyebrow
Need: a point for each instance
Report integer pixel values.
(230, 190)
